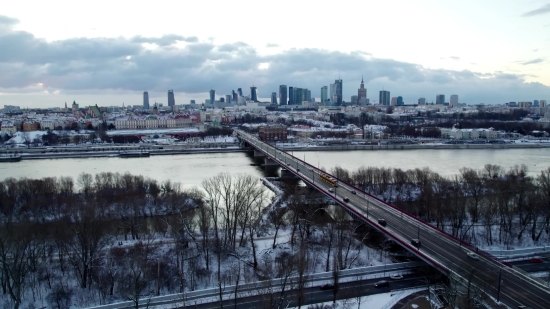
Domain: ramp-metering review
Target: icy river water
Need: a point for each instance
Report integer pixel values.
(190, 170)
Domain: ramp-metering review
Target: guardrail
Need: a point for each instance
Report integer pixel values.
(519, 252)
(355, 273)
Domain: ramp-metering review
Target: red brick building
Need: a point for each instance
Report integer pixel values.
(273, 133)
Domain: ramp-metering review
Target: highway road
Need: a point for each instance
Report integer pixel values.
(437, 248)
(314, 295)
(531, 267)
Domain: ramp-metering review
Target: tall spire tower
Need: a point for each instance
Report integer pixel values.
(361, 93)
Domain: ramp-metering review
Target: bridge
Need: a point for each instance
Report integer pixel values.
(451, 256)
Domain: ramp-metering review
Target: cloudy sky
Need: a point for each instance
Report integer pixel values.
(109, 52)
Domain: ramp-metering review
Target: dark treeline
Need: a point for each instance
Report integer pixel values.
(509, 206)
(58, 237)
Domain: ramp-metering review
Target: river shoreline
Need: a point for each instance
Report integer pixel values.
(114, 151)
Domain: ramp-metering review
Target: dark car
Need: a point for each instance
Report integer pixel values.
(353, 192)
(346, 199)
(535, 260)
(382, 222)
(327, 287)
(381, 284)
(416, 242)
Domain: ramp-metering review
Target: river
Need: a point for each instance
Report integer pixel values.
(191, 169)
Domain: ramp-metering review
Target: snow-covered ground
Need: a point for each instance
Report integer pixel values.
(378, 301)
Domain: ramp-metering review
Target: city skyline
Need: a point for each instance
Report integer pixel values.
(49, 63)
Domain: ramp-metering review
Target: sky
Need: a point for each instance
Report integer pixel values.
(109, 52)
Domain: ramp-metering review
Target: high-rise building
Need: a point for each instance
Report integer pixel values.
(440, 99)
(336, 92)
(453, 99)
(384, 98)
(240, 92)
(542, 103)
(192, 102)
(253, 94)
(212, 96)
(291, 96)
(228, 98)
(283, 95)
(274, 98)
(400, 100)
(298, 95)
(235, 96)
(393, 101)
(222, 100)
(324, 94)
(146, 100)
(422, 101)
(171, 99)
(354, 99)
(306, 95)
(361, 93)
(535, 102)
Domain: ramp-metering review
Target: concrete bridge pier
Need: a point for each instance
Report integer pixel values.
(287, 174)
(258, 154)
(270, 163)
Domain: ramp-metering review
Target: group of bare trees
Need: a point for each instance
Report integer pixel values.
(503, 206)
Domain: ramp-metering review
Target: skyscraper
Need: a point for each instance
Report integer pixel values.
(422, 101)
(453, 99)
(394, 101)
(298, 95)
(361, 93)
(336, 92)
(384, 97)
(399, 100)
(274, 98)
(254, 94)
(306, 95)
(228, 98)
(324, 95)
(283, 95)
(212, 96)
(146, 100)
(291, 96)
(171, 99)
(440, 99)
(240, 92)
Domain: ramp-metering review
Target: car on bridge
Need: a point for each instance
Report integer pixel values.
(396, 277)
(330, 190)
(382, 284)
(473, 256)
(382, 222)
(353, 192)
(325, 287)
(416, 242)
(346, 199)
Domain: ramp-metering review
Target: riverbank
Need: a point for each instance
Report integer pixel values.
(411, 147)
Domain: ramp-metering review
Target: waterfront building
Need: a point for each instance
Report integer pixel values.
(384, 98)
(145, 100)
(283, 95)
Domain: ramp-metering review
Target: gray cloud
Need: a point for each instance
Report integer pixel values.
(272, 45)
(121, 65)
(534, 61)
(455, 58)
(6, 20)
(542, 10)
(165, 40)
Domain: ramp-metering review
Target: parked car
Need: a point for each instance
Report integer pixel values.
(473, 256)
(381, 284)
(325, 287)
(396, 277)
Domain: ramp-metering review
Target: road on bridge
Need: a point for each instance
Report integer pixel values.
(439, 249)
